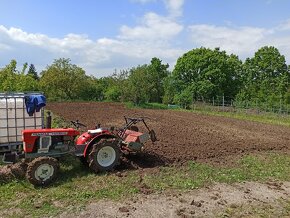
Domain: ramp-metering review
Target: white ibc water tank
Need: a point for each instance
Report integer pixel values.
(14, 118)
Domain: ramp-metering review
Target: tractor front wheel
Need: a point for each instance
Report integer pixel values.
(42, 171)
(104, 156)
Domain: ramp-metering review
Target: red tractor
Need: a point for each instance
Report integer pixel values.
(100, 148)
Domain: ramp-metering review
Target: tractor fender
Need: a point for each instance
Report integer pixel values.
(95, 140)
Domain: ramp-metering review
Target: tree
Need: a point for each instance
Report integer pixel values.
(113, 93)
(170, 87)
(32, 72)
(63, 80)
(13, 80)
(145, 83)
(24, 68)
(117, 86)
(138, 85)
(157, 74)
(266, 76)
(208, 73)
(8, 77)
(184, 98)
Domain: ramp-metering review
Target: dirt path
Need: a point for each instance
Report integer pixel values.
(185, 136)
(247, 199)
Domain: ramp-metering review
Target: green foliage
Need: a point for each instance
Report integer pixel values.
(287, 97)
(112, 88)
(199, 74)
(147, 106)
(32, 72)
(13, 80)
(101, 85)
(138, 86)
(26, 83)
(169, 85)
(157, 74)
(113, 93)
(265, 78)
(63, 80)
(184, 99)
(145, 83)
(208, 73)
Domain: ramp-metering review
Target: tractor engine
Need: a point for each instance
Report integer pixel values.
(48, 141)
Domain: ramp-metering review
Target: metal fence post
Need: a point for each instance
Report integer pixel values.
(280, 111)
(223, 102)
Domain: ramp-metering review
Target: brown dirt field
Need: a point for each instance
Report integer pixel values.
(184, 136)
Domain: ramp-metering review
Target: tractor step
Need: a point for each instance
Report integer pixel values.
(10, 158)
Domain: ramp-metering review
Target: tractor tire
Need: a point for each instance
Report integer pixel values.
(84, 161)
(104, 156)
(42, 171)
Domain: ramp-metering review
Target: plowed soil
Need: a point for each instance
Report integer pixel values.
(184, 136)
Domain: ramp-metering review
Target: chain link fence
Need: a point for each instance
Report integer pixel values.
(227, 105)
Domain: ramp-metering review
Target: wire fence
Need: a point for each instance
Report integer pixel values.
(225, 105)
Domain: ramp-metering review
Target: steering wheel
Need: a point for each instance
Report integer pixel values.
(77, 124)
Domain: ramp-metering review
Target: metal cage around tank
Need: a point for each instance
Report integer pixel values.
(14, 118)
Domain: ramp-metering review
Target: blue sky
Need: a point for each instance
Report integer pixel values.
(103, 35)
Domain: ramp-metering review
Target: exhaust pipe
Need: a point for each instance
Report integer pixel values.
(48, 120)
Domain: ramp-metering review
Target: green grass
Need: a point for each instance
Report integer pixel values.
(147, 106)
(195, 175)
(77, 186)
(269, 118)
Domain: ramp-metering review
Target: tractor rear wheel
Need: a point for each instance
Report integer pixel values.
(104, 156)
(42, 171)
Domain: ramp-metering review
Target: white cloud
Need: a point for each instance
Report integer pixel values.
(243, 41)
(70, 41)
(234, 40)
(174, 7)
(153, 36)
(156, 27)
(152, 27)
(136, 45)
(284, 26)
(94, 56)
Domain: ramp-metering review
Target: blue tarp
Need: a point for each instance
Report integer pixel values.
(34, 103)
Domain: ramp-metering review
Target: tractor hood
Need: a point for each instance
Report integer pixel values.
(50, 132)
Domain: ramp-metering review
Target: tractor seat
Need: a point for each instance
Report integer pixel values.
(95, 131)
